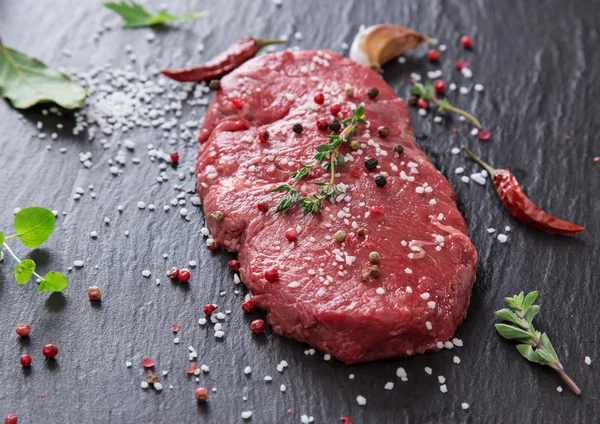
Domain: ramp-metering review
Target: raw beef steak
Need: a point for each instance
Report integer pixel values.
(427, 265)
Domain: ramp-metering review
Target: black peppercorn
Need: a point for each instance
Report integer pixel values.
(383, 131)
(380, 180)
(298, 128)
(412, 100)
(215, 85)
(373, 92)
(398, 149)
(371, 163)
(334, 125)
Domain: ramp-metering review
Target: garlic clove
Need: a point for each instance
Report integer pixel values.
(378, 44)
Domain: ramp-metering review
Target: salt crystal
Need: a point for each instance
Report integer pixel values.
(455, 151)
(362, 401)
(389, 385)
(246, 414)
(587, 360)
(444, 388)
(502, 238)
(146, 273)
(464, 405)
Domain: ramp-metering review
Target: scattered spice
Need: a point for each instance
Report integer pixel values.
(172, 273)
(422, 104)
(334, 125)
(234, 56)
(440, 86)
(291, 234)
(346, 420)
(466, 41)
(460, 64)
(183, 275)
(257, 326)
(217, 216)
(215, 85)
(201, 394)
(237, 103)
(174, 158)
(176, 328)
(319, 98)
(263, 136)
(322, 123)
(297, 128)
(335, 109)
(50, 351)
(248, 306)
(519, 205)
(209, 309)
(340, 236)
(25, 360)
(360, 232)
(11, 419)
(263, 207)
(383, 131)
(151, 378)
(148, 363)
(413, 100)
(192, 368)
(94, 293)
(374, 257)
(433, 55)
(234, 265)
(214, 245)
(380, 180)
(373, 92)
(371, 163)
(271, 275)
(349, 90)
(354, 145)
(376, 211)
(398, 150)
(23, 330)
(484, 135)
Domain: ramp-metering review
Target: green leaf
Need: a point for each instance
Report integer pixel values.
(283, 187)
(319, 183)
(359, 112)
(1, 239)
(24, 271)
(513, 333)
(548, 346)
(531, 312)
(53, 282)
(33, 226)
(322, 148)
(341, 161)
(506, 314)
(532, 355)
(443, 104)
(515, 302)
(26, 81)
(429, 91)
(529, 299)
(417, 89)
(134, 15)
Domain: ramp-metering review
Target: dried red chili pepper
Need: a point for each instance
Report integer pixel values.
(238, 53)
(519, 205)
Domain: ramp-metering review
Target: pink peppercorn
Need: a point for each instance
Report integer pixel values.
(174, 158)
(240, 126)
(25, 360)
(376, 211)
(335, 109)
(237, 103)
(209, 309)
(263, 207)
(439, 86)
(319, 98)
(201, 394)
(460, 64)
(466, 41)
(322, 123)
(484, 135)
(234, 265)
(23, 330)
(291, 234)
(433, 55)
(257, 326)
(94, 293)
(172, 273)
(148, 363)
(214, 245)
(50, 351)
(422, 104)
(271, 275)
(263, 136)
(248, 306)
(11, 419)
(183, 276)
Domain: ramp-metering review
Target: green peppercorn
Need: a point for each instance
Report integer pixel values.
(383, 131)
(374, 257)
(349, 91)
(374, 271)
(217, 215)
(380, 180)
(398, 150)
(340, 236)
(298, 128)
(365, 274)
(354, 145)
(373, 92)
(371, 163)
(334, 125)
(360, 232)
(215, 85)
(413, 100)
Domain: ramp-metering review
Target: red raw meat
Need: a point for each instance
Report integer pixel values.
(427, 266)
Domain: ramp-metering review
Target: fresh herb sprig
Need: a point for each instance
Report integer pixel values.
(427, 92)
(329, 157)
(33, 226)
(134, 15)
(536, 346)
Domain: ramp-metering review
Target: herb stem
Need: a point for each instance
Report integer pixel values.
(486, 166)
(467, 115)
(348, 130)
(560, 370)
(19, 260)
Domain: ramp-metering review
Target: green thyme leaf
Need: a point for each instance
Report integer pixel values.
(529, 299)
(359, 112)
(24, 271)
(508, 315)
(134, 15)
(1, 239)
(512, 333)
(530, 354)
(548, 346)
(531, 312)
(515, 302)
(283, 187)
(341, 161)
(302, 172)
(319, 183)
(53, 282)
(322, 148)
(26, 81)
(417, 89)
(33, 226)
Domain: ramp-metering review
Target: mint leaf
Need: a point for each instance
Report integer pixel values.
(134, 15)
(24, 271)
(26, 81)
(33, 226)
(53, 282)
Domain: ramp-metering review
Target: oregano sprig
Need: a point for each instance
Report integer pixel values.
(427, 92)
(535, 346)
(329, 157)
(33, 226)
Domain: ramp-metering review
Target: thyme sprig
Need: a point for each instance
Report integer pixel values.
(329, 157)
(536, 346)
(427, 92)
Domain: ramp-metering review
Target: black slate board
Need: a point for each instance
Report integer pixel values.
(537, 61)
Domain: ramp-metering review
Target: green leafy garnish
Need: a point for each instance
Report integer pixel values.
(134, 15)
(535, 346)
(329, 157)
(427, 92)
(26, 81)
(33, 226)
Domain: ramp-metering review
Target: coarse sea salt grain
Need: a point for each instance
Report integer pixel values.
(401, 372)
(465, 179)
(389, 385)
(428, 370)
(587, 360)
(422, 112)
(502, 238)
(456, 360)
(146, 273)
(246, 414)
(444, 388)
(464, 405)
(455, 151)
(361, 400)
(78, 264)
(559, 389)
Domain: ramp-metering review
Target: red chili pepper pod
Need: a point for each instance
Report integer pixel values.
(522, 207)
(238, 53)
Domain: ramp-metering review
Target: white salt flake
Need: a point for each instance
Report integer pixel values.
(361, 400)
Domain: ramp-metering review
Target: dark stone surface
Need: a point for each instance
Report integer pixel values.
(538, 62)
